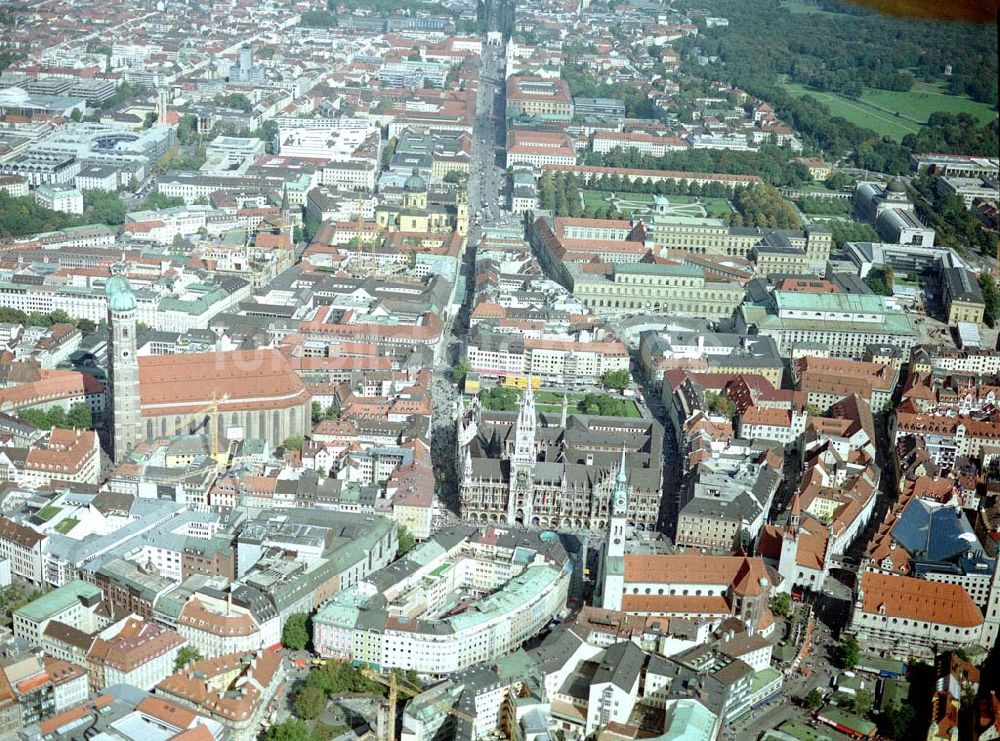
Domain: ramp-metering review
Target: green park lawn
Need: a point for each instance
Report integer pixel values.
(550, 402)
(877, 109)
(925, 99)
(801, 8)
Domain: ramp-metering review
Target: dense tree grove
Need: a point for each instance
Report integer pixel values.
(848, 47)
(583, 84)
(821, 206)
(880, 280)
(851, 231)
(21, 215)
(762, 205)
(104, 207)
(953, 223)
(842, 53)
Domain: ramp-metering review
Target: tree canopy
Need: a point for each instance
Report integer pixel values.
(103, 207)
(186, 655)
(991, 298)
(309, 702)
(79, 417)
(616, 379)
(880, 280)
(21, 215)
(762, 205)
(295, 634)
(406, 540)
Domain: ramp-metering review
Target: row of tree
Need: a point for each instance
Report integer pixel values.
(991, 298)
(560, 193)
(9, 315)
(665, 187)
(771, 163)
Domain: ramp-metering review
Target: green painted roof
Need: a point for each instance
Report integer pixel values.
(763, 678)
(119, 293)
(519, 591)
(648, 268)
(48, 606)
(849, 720)
(689, 721)
(196, 306)
(792, 730)
(841, 302)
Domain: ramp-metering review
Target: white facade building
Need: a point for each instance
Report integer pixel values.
(67, 200)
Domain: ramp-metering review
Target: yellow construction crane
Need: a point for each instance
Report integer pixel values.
(395, 689)
(212, 411)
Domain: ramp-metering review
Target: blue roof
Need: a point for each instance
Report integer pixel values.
(931, 532)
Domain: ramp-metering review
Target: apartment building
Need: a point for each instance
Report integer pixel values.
(647, 144)
(24, 548)
(135, 652)
(825, 381)
(783, 426)
(725, 500)
(493, 354)
(65, 455)
(75, 604)
(59, 198)
(234, 689)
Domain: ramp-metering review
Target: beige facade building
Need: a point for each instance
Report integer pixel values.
(636, 288)
(963, 300)
(549, 100)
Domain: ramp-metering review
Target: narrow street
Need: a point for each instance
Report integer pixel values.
(484, 186)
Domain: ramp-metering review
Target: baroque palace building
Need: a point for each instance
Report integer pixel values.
(556, 471)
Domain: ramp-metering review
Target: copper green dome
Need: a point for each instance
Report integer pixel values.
(119, 293)
(415, 183)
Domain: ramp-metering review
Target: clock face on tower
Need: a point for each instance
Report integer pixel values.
(522, 478)
(620, 503)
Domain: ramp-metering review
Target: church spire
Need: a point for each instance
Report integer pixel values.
(619, 496)
(524, 429)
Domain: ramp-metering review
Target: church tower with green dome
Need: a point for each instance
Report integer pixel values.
(123, 367)
(415, 192)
